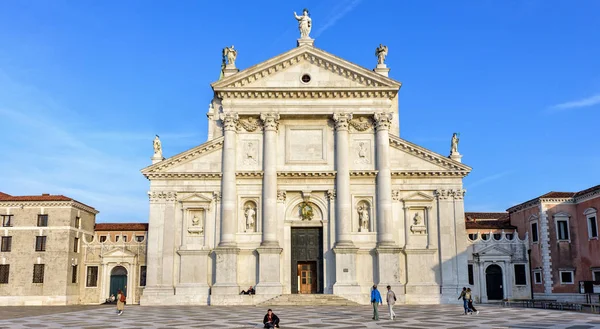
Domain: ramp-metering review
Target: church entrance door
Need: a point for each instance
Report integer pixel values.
(118, 280)
(307, 260)
(493, 278)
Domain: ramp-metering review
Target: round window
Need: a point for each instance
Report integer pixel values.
(306, 78)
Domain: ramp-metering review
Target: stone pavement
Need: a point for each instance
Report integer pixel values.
(409, 316)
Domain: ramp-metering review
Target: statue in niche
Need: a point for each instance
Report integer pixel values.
(417, 220)
(197, 225)
(304, 24)
(231, 54)
(418, 226)
(250, 214)
(157, 147)
(250, 154)
(306, 211)
(454, 143)
(363, 218)
(381, 52)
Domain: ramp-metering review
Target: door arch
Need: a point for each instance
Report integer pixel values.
(118, 280)
(494, 282)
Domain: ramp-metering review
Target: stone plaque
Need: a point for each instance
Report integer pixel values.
(306, 145)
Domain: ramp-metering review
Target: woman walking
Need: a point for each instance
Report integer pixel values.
(120, 302)
(470, 300)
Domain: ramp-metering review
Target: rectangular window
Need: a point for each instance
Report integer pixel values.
(74, 274)
(562, 227)
(534, 232)
(92, 276)
(593, 227)
(42, 220)
(4, 270)
(596, 276)
(142, 276)
(520, 275)
(7, 220)
(537, 277)
(76, 245)
(38, 273)
(40, 243)
(566, 277)
(470, 270)
(117, 238)
(102, 238)
(124, 238)
(139, 238)
(6, 243)
(77, 221)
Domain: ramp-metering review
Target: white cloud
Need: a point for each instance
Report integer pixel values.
(338, 13)
(585, 102)
(488, 179)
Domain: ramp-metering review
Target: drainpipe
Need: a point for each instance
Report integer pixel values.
(530, 272)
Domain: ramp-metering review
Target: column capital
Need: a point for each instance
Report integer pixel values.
(383, 120)
(443, 194)
(342, 120)
(217, 196)
(281, 196)
(230, 120)
(459, 194)
(162, 196)
(270, 121)
(331, 195)
(396, 195)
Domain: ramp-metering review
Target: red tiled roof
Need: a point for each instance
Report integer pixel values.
(121, 227)
(488, 220)
(554, 194)
(586, 191)
(485, 215)
(43, 197)
(490, 224)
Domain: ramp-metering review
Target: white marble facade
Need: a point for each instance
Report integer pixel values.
(305, 139)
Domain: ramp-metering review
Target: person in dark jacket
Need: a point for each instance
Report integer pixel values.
(271, 320)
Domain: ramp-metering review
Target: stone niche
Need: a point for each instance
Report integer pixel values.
(363, 215)
(249, 215)
(195, 213)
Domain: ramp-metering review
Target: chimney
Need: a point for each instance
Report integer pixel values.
(45, 194)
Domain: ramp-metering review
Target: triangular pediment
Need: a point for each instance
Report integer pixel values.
(196, 198)
(495, 250)
(204, 159)
(409, 159)
(418, 197)
(328, 72)
(119, 252)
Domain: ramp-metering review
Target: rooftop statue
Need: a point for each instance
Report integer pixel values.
(381, 52)
(304, 24)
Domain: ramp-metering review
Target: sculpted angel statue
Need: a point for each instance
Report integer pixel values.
(231, 54)
(381, 52)
(304, 24)
(454, 143)
(157, 146)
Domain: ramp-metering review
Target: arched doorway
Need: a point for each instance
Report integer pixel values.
(118, 280)
(494, 282)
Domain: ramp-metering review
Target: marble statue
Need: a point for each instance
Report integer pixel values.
(306, 211)
(304, 24)
(381, 52)
(363, 217)
(250, 214)
(197, 225)
(195, 221)
(454, 143)
(157, 147)
(231, 54)
(362, 150)
(417, 220)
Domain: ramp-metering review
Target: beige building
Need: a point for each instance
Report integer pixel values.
(41, 261)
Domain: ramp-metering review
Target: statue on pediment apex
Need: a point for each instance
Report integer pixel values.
(304, 24)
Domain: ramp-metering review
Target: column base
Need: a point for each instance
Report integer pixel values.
(226, 271)
(156, 295)
(388, 263)
(192, 294)
(269, 281)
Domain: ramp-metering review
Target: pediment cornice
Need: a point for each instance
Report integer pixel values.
(456, 167)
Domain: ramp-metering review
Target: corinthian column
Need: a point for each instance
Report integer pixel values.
(269, 192)
(228, 187)
(384, 180)
(343, 214)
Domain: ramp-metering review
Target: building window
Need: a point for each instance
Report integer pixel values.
(124, 238)
(497, 236)
(7, 220)
(566, 277)
(92, 276)
(77, 221)
(592, 222)
(485, 237)
(139, 238)
(74, 274)
(509, 236)
(537, 277)
(520, 275)
(117, 238)
(142, 276)
(76, 245)
(42, 220)
(470, 270)
(534, 232)
(38, 273)
(562, 229)
(103, 238)
(40, 243)
(6, 243)
(596, 276)
(4, 270)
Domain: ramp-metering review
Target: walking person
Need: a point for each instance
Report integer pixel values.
(469, 297)
(391, 300)
(463, 295)
(376, 301)
(120, 302)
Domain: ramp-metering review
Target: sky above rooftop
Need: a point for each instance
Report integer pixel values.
(85, 85)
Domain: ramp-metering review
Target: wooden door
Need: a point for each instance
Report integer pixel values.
(307, 249)
(493, 278)
(307, 277)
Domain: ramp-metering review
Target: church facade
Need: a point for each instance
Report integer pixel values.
(305, 187)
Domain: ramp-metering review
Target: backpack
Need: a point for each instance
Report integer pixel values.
(122, 298)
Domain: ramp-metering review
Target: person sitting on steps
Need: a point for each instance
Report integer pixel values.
(271, 320)
(250, 291)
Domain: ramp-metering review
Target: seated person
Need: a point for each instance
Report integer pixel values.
(271, 320)
(250, 291)
(111, 298)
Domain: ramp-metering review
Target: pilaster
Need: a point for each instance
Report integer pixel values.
(193, 277)
(269, 209)
(385, 225)
(343, 214)
(228, 183)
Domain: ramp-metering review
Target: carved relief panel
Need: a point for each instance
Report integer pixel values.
(249, 153)
(195, 218)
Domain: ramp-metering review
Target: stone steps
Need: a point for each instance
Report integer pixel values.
(308, 300)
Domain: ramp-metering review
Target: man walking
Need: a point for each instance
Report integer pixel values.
(391, 300)
(463, 295)
(376, 301)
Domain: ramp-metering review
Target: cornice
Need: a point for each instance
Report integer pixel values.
(209, 146)
(428, 173)
(364, 173)
(557, 200)
(184, 175)
(427, 155)
(299, 93)
(322, 174)
(588, 195)
(48, 204)
(249, 174)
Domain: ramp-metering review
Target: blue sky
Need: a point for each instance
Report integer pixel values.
(85, 85)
